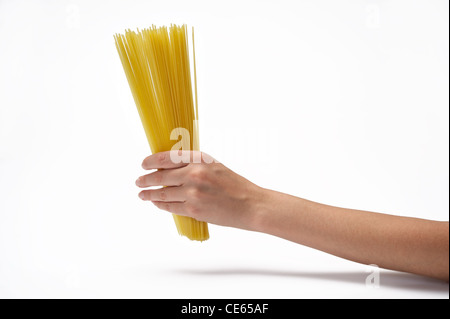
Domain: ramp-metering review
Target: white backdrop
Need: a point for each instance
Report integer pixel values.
(340, 102)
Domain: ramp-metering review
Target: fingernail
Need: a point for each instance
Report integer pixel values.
(138, 181)
(141, 195)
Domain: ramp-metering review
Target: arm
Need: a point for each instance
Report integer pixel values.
(215, 194)
(393, 242)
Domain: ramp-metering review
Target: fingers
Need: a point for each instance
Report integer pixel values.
(170, 177)
(172, 171)
(165, 194)
(175, 208)
(163, 160)
(175, 159)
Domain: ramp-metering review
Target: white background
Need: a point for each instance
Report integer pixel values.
(340, 102)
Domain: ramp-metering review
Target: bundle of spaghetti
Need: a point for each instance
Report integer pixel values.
(157, 66)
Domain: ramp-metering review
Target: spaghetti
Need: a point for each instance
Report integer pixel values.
(157, 66)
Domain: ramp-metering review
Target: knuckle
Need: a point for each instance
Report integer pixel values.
(162, 194)
(158, 178)
(194, 193)
(144, 180)
(162, 158)
(198, 173)
(152, 195)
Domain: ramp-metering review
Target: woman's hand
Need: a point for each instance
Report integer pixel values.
(202, 189)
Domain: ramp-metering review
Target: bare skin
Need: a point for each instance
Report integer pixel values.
(212, 193)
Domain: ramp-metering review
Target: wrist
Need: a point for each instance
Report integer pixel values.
(261, 209)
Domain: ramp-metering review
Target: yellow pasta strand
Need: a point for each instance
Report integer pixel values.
(157, 66)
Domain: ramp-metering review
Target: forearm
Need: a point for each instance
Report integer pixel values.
(393, 242)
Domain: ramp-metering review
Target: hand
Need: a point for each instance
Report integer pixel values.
(202, 189)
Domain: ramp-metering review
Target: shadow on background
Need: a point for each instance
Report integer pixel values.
(389, 279)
